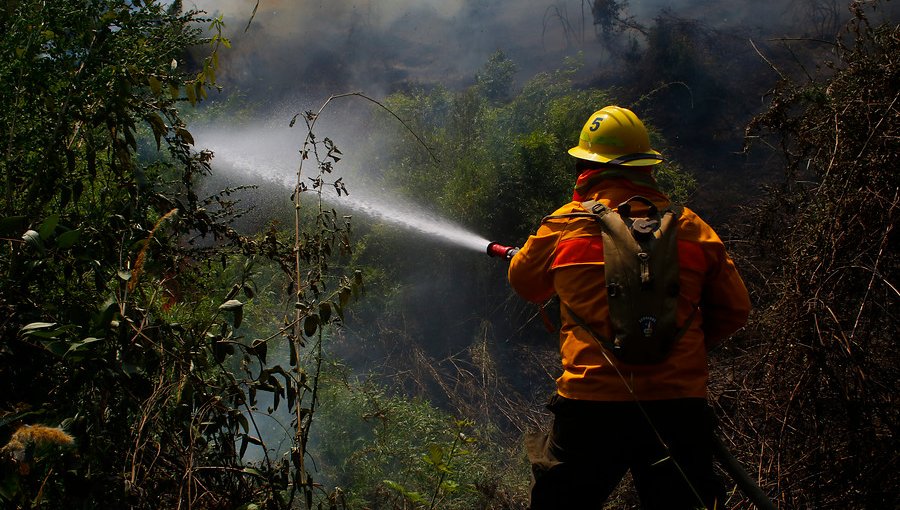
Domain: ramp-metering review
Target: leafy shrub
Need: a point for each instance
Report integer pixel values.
(117, 326)
(389, 451)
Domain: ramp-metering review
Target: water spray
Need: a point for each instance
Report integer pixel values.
(267, 151)
(501, 252)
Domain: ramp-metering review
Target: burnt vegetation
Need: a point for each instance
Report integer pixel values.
(817, 397)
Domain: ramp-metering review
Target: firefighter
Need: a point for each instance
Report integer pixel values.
(609, 416)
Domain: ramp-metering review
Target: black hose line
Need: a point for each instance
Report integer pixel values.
(740, 476)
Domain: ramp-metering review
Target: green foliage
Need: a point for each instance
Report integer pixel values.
(393, 452)
(134, 316)
(495, 80)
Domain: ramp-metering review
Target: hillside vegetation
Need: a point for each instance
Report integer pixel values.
(160, 349)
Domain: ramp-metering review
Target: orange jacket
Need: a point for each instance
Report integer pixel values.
(565, 257)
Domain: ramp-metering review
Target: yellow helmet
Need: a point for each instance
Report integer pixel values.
(615, 136)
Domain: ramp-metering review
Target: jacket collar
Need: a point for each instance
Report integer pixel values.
(614, 186)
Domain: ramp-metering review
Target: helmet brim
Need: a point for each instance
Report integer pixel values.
(652, 157)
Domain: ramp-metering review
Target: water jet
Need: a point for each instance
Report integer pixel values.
(270, 152)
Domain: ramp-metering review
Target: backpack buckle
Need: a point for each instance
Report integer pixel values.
(612, 289)
(644, 227)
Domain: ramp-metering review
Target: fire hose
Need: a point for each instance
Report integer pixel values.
(727, 460)
(740, 476)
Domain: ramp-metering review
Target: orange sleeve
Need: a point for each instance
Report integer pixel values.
(724, 302)
(529, 270)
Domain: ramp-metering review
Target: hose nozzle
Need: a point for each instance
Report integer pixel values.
(500, 251)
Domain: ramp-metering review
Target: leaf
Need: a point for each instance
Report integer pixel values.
(186, 392)
(191, 93)
(260, 348)
(449, 486)
(243, 448)
(76, 347)
(231, 305)
(34, 326)
(254, 472)
(128, 131)
(155, 85)
(49, 334)
(435, 455)
(413, 496)
(185, 135)
(57, 347)
(237, 311)
(48, 226)
(310, 325)
(159, 127)
(210, 72)
(68, 239)
(242, 421)
(291, 397)
(220, 349)
(325, 312)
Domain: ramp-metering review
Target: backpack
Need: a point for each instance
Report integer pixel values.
(642, 280)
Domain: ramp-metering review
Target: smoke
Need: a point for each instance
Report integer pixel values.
(314, 49)
(328, 47)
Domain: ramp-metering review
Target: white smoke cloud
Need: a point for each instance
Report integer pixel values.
(337, 45)
(381, 43)
(382, 13)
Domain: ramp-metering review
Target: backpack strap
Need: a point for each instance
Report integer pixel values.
(583, 325)
(595, 210)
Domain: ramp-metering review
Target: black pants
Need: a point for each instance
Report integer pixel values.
(593, 444)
